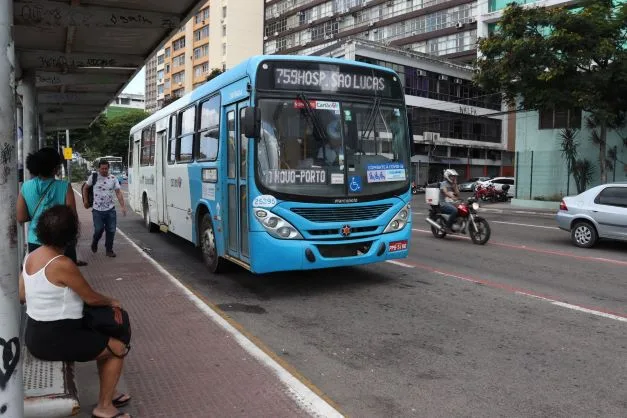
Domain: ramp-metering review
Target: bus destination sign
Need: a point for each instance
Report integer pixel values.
(326, 80)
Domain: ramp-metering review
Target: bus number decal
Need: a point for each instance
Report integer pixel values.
(295, 177)
(264, 201)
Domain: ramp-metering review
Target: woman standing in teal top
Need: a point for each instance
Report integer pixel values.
(42, 192)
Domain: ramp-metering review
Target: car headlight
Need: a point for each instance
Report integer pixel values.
(399, 221)
(277, 226)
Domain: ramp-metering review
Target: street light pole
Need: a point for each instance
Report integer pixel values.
(11, 389)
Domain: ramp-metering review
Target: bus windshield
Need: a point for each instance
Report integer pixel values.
(332, 148)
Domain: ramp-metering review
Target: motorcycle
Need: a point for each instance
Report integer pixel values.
(467, 220)
(491, 193)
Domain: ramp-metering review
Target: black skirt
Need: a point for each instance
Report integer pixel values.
(64, 340)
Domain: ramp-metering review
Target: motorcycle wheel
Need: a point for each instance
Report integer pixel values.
(439, 233)
(482, 234)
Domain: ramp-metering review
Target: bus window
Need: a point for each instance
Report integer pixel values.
(172, 140)
(243, 146)
(231, 157)
(130, 151)
(147, 151)
(209, 129)
(185, 140)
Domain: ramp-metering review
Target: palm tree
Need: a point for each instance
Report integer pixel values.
(581, 169)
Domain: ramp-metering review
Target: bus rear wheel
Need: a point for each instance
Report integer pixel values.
(151, 227)
(208, 245)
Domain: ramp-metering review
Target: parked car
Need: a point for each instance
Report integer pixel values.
(498, 183)
(600, 212)
(470, 184)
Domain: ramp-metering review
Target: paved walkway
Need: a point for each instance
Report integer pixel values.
(186, 360)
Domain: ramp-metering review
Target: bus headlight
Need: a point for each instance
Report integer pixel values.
(399, 221)
(277, 226)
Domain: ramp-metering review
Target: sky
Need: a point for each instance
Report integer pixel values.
(137, 84)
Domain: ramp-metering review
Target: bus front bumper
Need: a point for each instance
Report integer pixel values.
(272, 254)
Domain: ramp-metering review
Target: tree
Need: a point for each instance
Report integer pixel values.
(559, 58)
(214, 73)
(581, 169)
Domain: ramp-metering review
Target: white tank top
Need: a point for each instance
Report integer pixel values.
(48, 302)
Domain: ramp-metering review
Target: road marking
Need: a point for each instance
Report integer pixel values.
(622, 317)
(538, 250)
(519, 224)
(302, 391)
(417, 213)
(400, 263)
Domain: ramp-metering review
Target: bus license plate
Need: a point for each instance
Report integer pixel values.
(398, 246)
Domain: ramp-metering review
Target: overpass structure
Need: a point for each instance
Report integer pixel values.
(61, 63)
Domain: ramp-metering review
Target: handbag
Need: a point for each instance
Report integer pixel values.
(103, 320)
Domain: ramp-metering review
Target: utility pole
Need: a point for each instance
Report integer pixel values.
(11, 388)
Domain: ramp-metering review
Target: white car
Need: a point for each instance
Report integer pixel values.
(498, 183)
(600, 212)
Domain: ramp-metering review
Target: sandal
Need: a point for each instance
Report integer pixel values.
(81, 263)
(118, 415)
(118, 402)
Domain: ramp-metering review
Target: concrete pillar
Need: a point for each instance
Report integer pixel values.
(29, 104)
(11, 389)
(20, 142)
(41, 131)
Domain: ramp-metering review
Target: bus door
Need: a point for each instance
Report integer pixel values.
(133, 174)
(161, 162)
(236, 216)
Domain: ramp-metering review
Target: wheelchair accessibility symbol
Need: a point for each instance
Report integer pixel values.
(354, 184)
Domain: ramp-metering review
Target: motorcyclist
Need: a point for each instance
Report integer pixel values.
(449, 193)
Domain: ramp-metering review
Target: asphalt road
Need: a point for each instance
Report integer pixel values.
(526, 326)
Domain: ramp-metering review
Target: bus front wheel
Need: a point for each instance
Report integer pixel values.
(150, 226)
(208, 245)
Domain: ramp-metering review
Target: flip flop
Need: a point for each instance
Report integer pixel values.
(118, 403)
(119, 414)
(81, 263)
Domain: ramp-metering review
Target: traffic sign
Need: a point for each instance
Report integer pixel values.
(67, 153)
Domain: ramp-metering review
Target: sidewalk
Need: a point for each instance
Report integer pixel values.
(186, 360)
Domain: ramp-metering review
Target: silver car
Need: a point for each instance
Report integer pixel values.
(600, 212)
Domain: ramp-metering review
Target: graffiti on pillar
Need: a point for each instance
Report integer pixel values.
(130, 18)
(48, 61)
(10, 358)
(6, 157)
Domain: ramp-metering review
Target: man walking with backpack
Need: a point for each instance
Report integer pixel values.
(103, 186)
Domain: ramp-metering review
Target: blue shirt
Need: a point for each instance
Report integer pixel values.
(32, 191)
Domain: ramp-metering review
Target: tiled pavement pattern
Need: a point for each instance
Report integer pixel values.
(182, 364)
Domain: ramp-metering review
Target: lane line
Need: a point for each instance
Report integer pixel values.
(400, 263)
(538, 250)
(617, 316)
(526, 225)
(307, 395)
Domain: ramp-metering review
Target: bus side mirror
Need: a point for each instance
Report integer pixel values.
(250, 123)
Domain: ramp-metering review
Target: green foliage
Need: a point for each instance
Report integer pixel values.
(78, 172)
(543, 58)
(107, 135)
(214, 73)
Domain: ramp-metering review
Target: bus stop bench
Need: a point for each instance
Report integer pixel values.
(49, 387)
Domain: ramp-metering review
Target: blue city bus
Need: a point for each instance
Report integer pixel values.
(281, 163)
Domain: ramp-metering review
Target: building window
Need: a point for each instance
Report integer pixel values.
(200, 70)
(160, 89)
(178, 93)
(202, 33)
(223, 49)
(560, 119)
(201, 16)
(224, 12)
(166, 84)
(178, 78)
(159, 76)
(167, 69)
(160, 59)
(178, 60)
(201, 51)
(178, 44)
(167, 52)
(223, 30)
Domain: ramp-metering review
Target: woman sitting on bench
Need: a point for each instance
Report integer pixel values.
(55, 292)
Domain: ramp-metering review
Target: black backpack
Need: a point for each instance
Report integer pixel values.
(90, 190)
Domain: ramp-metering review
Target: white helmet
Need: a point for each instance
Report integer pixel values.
(449, 173)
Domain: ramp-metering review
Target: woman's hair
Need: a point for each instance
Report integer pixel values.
(57, 226)
(43, 162)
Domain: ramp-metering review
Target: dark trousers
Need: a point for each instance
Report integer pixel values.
(70, 250)
(104, 222)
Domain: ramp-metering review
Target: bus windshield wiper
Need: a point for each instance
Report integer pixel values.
(314, 118)
(371, 119)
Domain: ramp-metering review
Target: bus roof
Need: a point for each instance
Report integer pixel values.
(245, 68)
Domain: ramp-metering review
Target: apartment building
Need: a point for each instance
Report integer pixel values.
(443, 28)
(208, 41)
